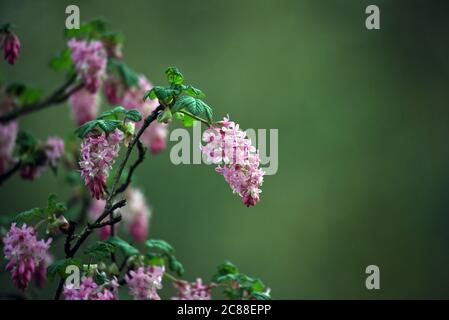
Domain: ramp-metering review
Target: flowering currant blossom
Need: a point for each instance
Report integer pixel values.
(8, 134)
(24, 253)
(95, 210)
(89, 290)
(136, 215)
(40, 276)
(192, 291)
(11, 46)
(53, 149)
(90, 60)
(155, 136)
(144, 282)
(98, 153)
(226, 144)
(113, 89)
(85, 106)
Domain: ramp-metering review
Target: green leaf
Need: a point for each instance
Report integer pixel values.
(100, 277)
(133, 115)
(127, 249)
(59, 267)
(113, 113)
(261, 296)
(129, 76)
(184, 102)
(100, 250)
(174, 76)
(193, 105)
(54, 205)
(83, 130)
(62, 61)
(164, 94)
(26, 141)
(160, 245)
(227, 267)
(108, 125)
(29, 215)
(174, 265)
(209, 113)
(30, 96)
(226, 277)
(113, 37)
(192, 91)
(26, 95)
(150, 94)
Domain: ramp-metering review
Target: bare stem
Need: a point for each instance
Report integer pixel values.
(10, 172)
(58, 96)
(133, 167)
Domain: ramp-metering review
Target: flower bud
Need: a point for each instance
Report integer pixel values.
(113, 269)
(165, 117)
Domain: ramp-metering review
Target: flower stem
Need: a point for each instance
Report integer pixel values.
(195, 117)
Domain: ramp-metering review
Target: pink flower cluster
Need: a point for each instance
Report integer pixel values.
(155, 136)
(25, 253)
(90, 59)
(228, 145)
(192, 291)
(98, 153)
(11, 46)
(144, 282)
(53, 150)
(85, 106)
(136, 215)
(89, 290)
(8, 134)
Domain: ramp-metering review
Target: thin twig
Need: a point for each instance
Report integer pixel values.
(116, 219)
(9, 173)
(195, 117)
(59, 95)
(133, 167)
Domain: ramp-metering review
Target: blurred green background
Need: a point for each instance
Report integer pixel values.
(363, 123)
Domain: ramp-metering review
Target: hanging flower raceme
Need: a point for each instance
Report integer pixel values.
(90, 59)
(85, 106)
(136, 215)
(89, 290)
(144, 282)
(192, 291)
(11, 46)
(8, 134)
(40, 276)
(24, 253)
(52, 150)
(113, 89)
(226, 144)
(98, 153)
